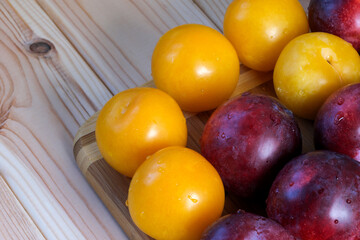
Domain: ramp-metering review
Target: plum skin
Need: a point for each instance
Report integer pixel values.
(245, 226)
(337, 124)
(248, 140)
(317, 196)
(338, 17)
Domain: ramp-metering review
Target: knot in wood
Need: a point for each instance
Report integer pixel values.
(40, 47)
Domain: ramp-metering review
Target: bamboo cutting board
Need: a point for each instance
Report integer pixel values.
(112, 187)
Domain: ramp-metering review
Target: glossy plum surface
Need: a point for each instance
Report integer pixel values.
(246, 226)
(248, 140)
(316, 196)
(339, 17)
(337, 124)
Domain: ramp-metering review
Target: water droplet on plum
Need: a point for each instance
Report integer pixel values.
(348, 201)
(223, 135)
(291, 184)
(339, 117)
(336, 221)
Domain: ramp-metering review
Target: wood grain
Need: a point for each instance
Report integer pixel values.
(215, 10)
(46, 91)
(15, 223)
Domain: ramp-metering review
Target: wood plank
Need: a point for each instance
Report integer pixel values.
(46, 91)
(118, 45)
(215, 10)
(305, 4)
(15, 222)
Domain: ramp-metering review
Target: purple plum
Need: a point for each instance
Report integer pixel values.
(338, 17)
(246, 226)
(337, 124)
(316, 196)
(248, 140)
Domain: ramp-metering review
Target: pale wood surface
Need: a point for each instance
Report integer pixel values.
(14, 220)
(98, 48)
(44, 99)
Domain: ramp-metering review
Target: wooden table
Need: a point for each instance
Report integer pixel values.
(60, 61)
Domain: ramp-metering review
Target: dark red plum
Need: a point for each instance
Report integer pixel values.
(337, 124)
(316, 196)
(338, 17)
(246, 226)
(248, 140)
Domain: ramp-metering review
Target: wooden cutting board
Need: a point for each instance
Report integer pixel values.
(112, 187)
